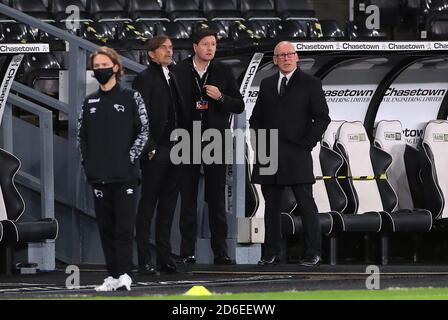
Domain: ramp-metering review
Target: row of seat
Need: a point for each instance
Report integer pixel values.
(168, 9)
(374, 188)
(136, 33)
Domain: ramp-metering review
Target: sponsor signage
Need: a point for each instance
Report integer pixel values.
(372, 46)
(25, 48)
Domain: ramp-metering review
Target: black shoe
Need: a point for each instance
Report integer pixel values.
(147, 270)
(310, 261)
(168, 267)
(270, 261)
(224, 260)
(188, 260)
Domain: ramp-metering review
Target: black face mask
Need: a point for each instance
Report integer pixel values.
(103, 75)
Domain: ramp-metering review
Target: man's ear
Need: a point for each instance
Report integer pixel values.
(195, 47)
(151, 55)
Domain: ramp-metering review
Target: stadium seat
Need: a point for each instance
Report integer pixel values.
(295, 9)
(58, 7)
(389, 137)
(40, 72)
(368, 188)
(131, 34)
(221, 10)
(184, 10)
(35, 8)
(176, 31)
(98, 32)
(291, 220)
(288, 30)
(107, 10)
(437, 26)
(358, 31)
(434, 155)
(390, 14)
(14, 232)
(146, 10)
(17, 33)
(331, 30)
(258, 10)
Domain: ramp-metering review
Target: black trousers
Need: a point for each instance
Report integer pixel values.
(272, 219)
(214, 175)
(160, 187)
(115, 208)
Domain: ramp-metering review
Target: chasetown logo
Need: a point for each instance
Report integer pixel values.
(119, 107)
(392, 136)
(359, 137)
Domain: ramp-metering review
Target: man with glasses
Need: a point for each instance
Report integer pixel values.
(293, 103)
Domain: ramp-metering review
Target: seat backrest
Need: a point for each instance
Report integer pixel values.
(181, 5)
(319, 189)
(27, 6)
(389, 137)
(11, 205)
(144, 5)
(353, 144)
(253, 5)
(218, 5)
(329, 137)
(58, 6)
(435, 147)
(288, 5)
(3, 215)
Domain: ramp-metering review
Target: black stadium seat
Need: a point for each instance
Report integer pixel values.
(295, 9)
(35, 8)
(15, 231)
(221, 10)
(331, 29)
(288, 30)
(358, 31)
(146, 10)
(58, 7)
(18, 33)
(106, 10)
(258, 10)
(134, 33)
(176, 32)
(183, 10)
(437, 26)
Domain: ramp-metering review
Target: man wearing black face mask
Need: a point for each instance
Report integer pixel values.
(113, 129)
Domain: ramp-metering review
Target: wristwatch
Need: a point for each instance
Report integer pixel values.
(221, 98)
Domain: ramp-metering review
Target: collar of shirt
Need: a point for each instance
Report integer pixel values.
(166, 73)
(201, 74)
(288, 76)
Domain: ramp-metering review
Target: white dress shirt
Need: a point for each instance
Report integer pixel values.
(288, 76)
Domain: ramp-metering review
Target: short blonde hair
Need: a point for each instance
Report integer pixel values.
(112, 55)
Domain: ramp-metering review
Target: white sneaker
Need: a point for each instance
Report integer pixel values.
(109, 284)
(124, 281)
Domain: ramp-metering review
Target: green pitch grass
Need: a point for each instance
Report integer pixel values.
(386, 294)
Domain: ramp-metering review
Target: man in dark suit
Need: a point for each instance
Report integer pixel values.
(211, 95)
(160, 183)
(293, 103)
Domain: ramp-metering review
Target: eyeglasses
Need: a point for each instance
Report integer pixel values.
(284, 55)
